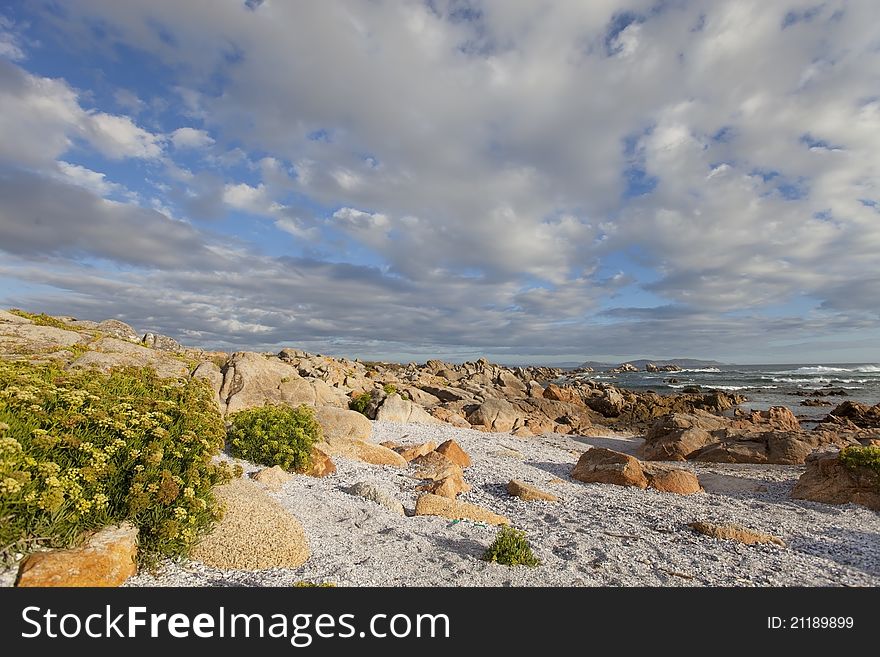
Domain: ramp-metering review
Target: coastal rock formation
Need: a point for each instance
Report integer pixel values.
(449, 486)
(255, 532)
(414, 451)
(671, 480)
(108, 353)
(860, 415)
(396, 409)
(675, 436)
(320, 463)
(342, 424)
(435, 505)
(360, 450)
(107, 558)
(604, 466)
(828, 480)
(453, 451)
(733, 532)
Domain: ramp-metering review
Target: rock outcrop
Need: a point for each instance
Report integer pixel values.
(435, 505)
(830, 481)
(107, 558)
(732, 532)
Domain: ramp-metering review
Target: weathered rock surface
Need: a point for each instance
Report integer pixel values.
(604, 466)
(321, 465)
(414, 451)
(529, 493)
(453, 451)
(435, 505)
(342, 424)
(397, 409)
(671, 480)
(732, 532)
(377, 494)
(107, 558)
(828, 480)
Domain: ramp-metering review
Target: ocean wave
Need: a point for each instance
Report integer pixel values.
(822, 369)
(815, 380)
(700, 369)
(721, 387)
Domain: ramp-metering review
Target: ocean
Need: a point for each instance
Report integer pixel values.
(765, 385)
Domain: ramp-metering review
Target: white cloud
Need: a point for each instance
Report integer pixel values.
(190, 138)
(10, 41)
(119, 137)
(242, 196)
(92, 180)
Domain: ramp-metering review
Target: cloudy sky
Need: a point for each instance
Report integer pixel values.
(529, 180)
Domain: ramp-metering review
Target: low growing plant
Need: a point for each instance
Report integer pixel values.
(861, 457)
(511, 548)
(81, 450)
(360, 402)
(389, 388)
(274, 435)
(40, 319)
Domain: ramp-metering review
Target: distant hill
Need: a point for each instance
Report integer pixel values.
(685, 363)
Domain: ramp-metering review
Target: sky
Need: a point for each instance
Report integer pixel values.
(526, 180)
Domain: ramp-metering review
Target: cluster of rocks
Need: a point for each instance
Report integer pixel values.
(772, 436)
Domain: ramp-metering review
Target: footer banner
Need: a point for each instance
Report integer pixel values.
(400, 621)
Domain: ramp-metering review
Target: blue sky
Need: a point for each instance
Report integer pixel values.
(532, 182)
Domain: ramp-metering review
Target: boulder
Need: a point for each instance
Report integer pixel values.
(161, 342)
(496, 415)
(450, 417)
(435, 505)
(414, 451)
(396, 409)
(377, 494)
(671, 480)
(7, 317)
(829, 481)
(556, 393)
(732, 532)
(255, 533)
(343, 424)
(611, 403)
(529, 493)
(453, 451)
(116, 329)
(776, 418)
(209, 371)
(605, 466)
(254, 379)
(362, 451)
(272, 478)
(434, 466)
(28, 338)
(675, 436)
(450, 486)
(320, 465)
(742, 451)
(107, 558)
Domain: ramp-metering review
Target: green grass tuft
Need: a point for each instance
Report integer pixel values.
(41, 319)
(511, 548)
(861, 457)
(360, 402)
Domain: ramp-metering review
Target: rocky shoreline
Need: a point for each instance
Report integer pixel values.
(418, 462)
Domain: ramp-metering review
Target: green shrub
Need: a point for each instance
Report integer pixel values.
(511, 548)
(42, 319)
(861, 457)
(389, 388)
(360, 402)
(275, 435)
(80, 450)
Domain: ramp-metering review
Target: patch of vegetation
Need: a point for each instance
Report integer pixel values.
(275, 435)
(80, 450)
(511, 548)
(313, 585)
(861, 457)
(41, 319)
(360, 402)
(389, 388)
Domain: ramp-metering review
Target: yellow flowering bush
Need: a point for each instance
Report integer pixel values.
(80, 450)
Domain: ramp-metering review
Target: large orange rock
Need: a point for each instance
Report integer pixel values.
(453, 451)
(449, 486)
(529, 493)
(829, 481)
(321, 464)
(434, 466)
(411, 452)
(671, 480)
(108, 558)
(435, 505)
(605, 466)
(362, 451)
(731, 532)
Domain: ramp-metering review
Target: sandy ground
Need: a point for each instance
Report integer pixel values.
(598, 535)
